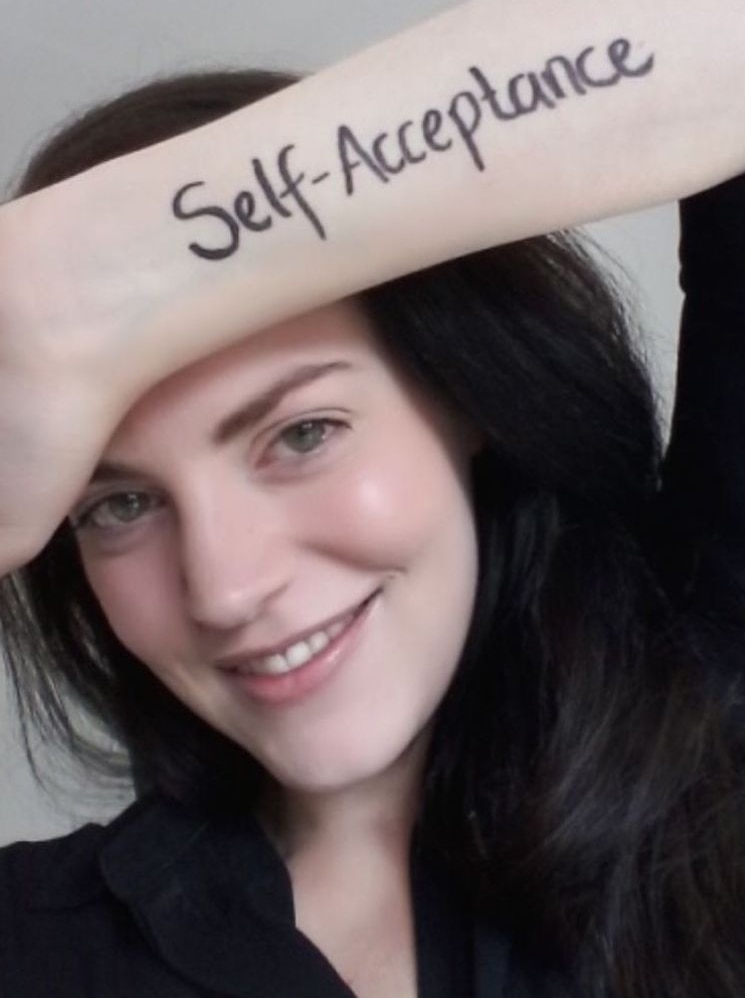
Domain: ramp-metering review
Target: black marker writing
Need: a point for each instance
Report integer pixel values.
(464, 117)
(458, 124)
(255, 211)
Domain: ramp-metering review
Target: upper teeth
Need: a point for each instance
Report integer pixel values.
(298, 654)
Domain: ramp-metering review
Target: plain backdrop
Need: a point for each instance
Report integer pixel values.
(59, 56)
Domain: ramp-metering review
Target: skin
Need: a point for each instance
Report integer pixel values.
(208, 549)
(101, 298)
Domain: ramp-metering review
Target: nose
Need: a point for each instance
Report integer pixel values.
(231, 562)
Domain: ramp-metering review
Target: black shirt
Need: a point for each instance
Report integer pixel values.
(702, 500)
(166, 903)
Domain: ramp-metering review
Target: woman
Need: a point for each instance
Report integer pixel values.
(507, 465)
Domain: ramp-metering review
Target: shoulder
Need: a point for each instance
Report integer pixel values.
(50, 903)
(57, 872)
(66, 872)
(62, 930)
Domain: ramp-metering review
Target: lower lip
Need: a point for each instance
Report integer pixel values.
(289, 687)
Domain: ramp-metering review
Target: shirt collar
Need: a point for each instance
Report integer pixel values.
(215, 900)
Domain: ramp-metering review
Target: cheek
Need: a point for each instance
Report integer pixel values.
(408, 522)
(395, 505)
(137, 594)
(416, 518)
(405, 516)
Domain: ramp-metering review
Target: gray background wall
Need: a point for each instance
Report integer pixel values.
(59, 55)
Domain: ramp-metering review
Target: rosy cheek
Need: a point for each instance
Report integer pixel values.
(136, 595)
(385, 510)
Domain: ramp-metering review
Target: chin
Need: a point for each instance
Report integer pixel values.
(341, 770)
(326, 776)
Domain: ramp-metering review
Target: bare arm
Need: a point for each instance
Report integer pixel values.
(494, 121)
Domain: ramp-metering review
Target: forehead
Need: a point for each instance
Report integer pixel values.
(206, 390)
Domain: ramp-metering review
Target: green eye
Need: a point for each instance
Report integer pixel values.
(117, 510)
(127, 507)
(306, 436)
(303, 440)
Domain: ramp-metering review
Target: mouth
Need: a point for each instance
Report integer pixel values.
(297, 651)
(283, 677)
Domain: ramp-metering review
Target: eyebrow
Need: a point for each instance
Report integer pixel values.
(259, 408)
(241, 419)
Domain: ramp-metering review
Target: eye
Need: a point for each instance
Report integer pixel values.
(114, 511)
(307, 436)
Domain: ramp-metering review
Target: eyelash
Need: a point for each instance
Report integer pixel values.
(315, 421)
(84, 518)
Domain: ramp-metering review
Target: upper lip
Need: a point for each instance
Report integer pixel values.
(238, 659)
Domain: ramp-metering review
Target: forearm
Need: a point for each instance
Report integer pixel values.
(492, 122)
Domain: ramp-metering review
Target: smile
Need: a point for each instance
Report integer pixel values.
(299, 653)
(296, 654)
(274, 681)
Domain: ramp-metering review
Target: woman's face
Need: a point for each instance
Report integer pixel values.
(218, 530)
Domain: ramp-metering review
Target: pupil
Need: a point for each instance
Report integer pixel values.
(128, 506)
(306, 435)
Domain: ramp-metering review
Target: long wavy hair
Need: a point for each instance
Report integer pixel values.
(584, 778)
